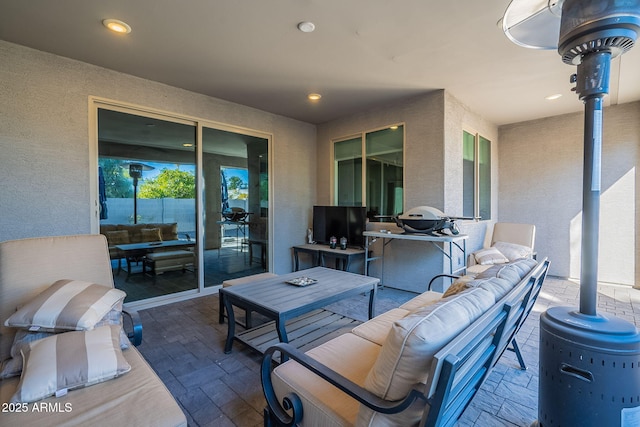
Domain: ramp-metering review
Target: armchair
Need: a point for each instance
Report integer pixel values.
(510, 233)
(138, 397)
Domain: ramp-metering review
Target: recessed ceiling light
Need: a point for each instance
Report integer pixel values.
(187, 144)
(117, 26)
(314, 96)
(306, 26)
(552, 97)
(394, 127)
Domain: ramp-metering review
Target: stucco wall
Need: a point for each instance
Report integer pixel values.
(45, 149)
(541, 165)
(432, 176)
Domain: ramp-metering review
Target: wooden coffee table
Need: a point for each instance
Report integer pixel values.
(280, 301)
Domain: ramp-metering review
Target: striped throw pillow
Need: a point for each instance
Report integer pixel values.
(67, 305)
(12, 366)
(64, 362)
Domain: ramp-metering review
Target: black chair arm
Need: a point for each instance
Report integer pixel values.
(451, 276)
(135, 335)
(292, 402)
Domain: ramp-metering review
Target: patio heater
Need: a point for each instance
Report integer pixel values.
(589, 362)
(135, 172)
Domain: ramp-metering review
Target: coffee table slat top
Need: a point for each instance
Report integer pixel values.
(274, 294)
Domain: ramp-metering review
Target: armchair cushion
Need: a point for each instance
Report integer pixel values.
(68, 361)
(490, 256)
(67, 305)
(513, 251)
(377, 329)
(406, 355)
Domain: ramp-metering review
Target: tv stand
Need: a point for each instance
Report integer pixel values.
(320, 252)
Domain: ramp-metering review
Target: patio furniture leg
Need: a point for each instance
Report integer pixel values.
(516, 350)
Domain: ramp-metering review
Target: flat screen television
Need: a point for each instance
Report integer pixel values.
(339, 221)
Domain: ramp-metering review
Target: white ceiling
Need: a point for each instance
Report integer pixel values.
(363, 53)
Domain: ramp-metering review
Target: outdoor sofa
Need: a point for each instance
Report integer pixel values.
(419, 364)
(163, 259)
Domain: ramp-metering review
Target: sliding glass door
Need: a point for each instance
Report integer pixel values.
(147, 190)
(184, 204)
(236, 205)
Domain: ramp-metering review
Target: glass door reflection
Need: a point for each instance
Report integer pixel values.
(147, 194)
(236, 205)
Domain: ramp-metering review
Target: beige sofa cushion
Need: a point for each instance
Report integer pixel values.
(71, 360)
(377, 329)
(138, 398)
(522, 266)
(407, 353)
(498, 279)
(117, 237)
(150, 235)
(324, 405)
(474, 270)
(513, 272)
(422, 300)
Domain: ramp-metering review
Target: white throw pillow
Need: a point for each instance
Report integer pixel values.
(513, 251)
(70, 360)
(490, 256)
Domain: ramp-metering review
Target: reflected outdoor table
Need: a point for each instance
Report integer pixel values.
(135, 251)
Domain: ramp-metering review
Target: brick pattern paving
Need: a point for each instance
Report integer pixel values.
(184, 343)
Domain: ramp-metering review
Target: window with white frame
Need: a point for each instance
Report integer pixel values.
(476, 175)
(380, 180)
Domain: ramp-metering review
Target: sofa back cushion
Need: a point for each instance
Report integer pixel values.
(168, 231)
(29, 266)
(406, 356)
(150, 235)
(117, 237)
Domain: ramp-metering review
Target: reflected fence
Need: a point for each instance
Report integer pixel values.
(181, 211)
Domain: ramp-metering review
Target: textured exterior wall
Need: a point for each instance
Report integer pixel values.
(432, 176)
(45, 145)
(457, 118)
(423, 157)
(541, 165)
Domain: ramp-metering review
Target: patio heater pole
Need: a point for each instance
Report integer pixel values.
(135, 172)
(592, 85)
(135, 200)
